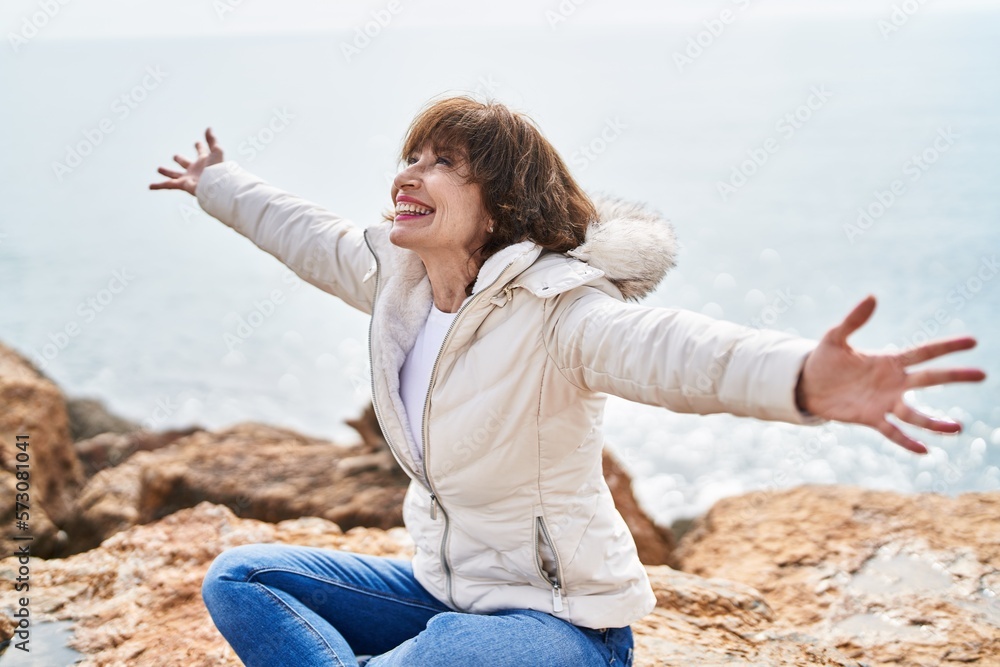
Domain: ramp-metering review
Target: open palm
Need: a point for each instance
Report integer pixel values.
(188, 180)
(842, 383)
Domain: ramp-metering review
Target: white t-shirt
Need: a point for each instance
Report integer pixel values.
(415, 375)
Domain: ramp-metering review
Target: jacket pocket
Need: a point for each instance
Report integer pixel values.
(547, 562)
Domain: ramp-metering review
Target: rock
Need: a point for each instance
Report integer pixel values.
(136, 599)
(46, 538)
(701, 621)
(258, 471)
(88, 417)
(368, 428)
(109, 449)
(30, 404)
(902, 580)
(654, 543)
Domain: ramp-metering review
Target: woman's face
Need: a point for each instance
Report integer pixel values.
(436, 210)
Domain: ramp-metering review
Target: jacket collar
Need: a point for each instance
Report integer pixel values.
(630, 244)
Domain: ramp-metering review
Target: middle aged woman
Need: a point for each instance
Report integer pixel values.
(501, 311)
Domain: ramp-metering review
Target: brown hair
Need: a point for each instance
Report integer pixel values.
(526, 187)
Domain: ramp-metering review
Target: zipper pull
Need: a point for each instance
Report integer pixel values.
(503, 298)
(434, 503)
(557, 604)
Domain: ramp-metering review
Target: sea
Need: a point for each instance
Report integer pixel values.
(804, 162)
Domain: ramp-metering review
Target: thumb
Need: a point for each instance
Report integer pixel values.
(854, 320)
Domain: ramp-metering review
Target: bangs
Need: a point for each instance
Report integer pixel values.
(446, 127)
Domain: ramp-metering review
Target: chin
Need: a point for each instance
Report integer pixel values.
(402, 237)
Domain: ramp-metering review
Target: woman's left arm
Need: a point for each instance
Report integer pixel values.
(688, 362)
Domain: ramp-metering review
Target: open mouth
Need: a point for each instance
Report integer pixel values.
(410, 211)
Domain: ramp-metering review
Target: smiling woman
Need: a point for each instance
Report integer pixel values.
(501, 302)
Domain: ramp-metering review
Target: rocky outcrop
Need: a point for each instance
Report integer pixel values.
(258, 471)
(136, 599)
(893, 579)
(31, 405)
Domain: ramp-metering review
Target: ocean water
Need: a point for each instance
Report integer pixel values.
(140, 299)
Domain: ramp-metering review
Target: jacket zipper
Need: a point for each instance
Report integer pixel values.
(446, 566)
(435, 504)
(556, 582)
(371, 327)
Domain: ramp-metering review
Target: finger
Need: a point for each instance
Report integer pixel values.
(170, 173)
(200, 147)
(853, 321)
(210, 138)
(906, 442)
(165, 185)
(182, 161)
(936, 348)
(911, 416)
(931, 377)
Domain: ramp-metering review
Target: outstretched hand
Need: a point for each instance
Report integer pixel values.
(188, 180)
(842, 383)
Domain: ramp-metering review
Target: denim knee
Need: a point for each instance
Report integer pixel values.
(234, 564)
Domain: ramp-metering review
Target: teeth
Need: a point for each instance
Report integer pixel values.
(408, 207)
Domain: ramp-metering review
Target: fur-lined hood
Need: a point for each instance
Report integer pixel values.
(633, 245)
(628, 244)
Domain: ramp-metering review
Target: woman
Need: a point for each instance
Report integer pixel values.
(501, 315)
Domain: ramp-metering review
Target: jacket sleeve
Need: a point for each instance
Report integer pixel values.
(324, 249)
(677, 359)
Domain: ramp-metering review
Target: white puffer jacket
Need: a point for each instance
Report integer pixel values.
(510, 508)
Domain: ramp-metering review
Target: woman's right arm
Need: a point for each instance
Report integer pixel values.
(324, 249)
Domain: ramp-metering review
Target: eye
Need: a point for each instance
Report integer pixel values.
(409, 159)
(443, 160)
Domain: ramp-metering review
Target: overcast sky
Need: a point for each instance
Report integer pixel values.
(121, 18)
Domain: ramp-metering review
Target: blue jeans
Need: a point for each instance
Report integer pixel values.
(279, 604)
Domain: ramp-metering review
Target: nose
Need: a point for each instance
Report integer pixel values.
(408, 177)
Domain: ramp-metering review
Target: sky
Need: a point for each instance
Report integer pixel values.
(61, 19)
